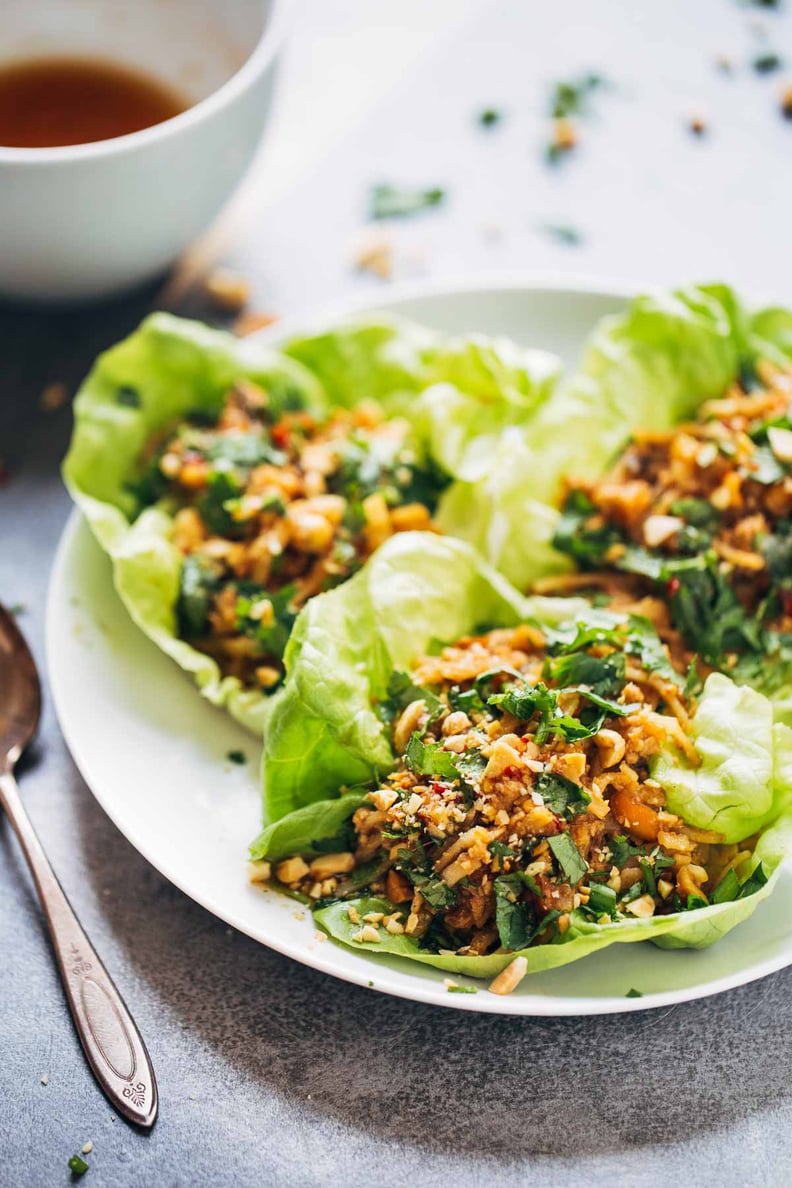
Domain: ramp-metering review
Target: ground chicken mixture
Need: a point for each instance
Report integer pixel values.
(272, 509)
(522, 803)
(701, 514)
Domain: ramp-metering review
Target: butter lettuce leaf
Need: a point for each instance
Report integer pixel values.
(733, 790)
(171, 367)
(299, 832)
(166, 369)
(649, 366)
(695, 929)
(324, 733)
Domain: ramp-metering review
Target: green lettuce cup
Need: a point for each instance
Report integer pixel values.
(714, 542)
(719, 779)
(171, 372)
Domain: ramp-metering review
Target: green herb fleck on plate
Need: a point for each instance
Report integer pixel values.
(572, 97)
(767, 63)
(77, 1165)
(562, 233)
(236, 757)
(634, 994)
(401, 202)
(489, 117)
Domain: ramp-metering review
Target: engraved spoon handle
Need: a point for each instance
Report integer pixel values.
(107, 1032)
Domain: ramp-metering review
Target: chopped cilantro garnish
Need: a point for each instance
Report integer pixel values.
(470, 764)
(500, 850)
(634, 994)
(700, 513)
(767, 63)
(568, 856)
(221, 489)
(244, 450)
(430, 759)
(200, 580)
(401, 692)
(562, 233)
(513, 915)
(272, 631)
(467, 700)
(644, 642)
(489, 117)
(621, 850)
(524, 701)
(238, 757)
(777, 552)
(602, 674)
(561, 795)
(399, 202)
(571, 98)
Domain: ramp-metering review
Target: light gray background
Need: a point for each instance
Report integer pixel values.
(269, 1073)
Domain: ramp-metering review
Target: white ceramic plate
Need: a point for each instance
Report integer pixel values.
(153, 752)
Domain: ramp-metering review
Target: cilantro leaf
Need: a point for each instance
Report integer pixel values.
(561, 795)
(470, 764)
(602, 674)
(568, 856)
(513, 916)
(429, 759)
(401, 693)
(621, 850)
(399, 202)
(221, 489)
(198, 582)
(644, 642)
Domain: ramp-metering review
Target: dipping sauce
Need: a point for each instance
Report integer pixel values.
(49, 102)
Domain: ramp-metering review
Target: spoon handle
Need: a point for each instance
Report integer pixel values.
(107, 1031)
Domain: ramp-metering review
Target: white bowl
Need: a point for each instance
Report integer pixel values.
(87, 220)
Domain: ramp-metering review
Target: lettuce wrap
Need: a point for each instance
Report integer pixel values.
(171, 368)
(649, 368)
(326, 744)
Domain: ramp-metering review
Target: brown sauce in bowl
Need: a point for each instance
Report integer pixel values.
(50, 102)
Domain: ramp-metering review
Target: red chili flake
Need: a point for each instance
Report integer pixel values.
(673, 586)
(280, 435)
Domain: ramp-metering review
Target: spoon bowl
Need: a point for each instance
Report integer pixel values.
(20, 696)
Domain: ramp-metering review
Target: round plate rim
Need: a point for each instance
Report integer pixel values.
(430, 993)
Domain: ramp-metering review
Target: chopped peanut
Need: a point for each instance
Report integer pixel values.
(509, 978)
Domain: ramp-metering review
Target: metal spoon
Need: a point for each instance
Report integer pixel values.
(107, 1032)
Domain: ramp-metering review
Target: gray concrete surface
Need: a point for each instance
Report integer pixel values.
(271, 1074)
